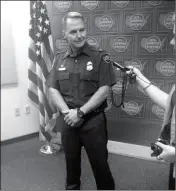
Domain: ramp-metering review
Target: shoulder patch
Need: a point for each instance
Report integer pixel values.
(106, 58)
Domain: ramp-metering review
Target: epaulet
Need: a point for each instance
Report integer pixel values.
(96, 49)
(57, 53)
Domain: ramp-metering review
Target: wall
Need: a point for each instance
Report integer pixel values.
(15, 96)
(8, 66)
(136, 33)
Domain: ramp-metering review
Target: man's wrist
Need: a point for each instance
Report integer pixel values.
(80, 113)
(65, 112)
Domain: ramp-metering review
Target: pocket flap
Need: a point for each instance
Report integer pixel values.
(92, 77)
(63, 75)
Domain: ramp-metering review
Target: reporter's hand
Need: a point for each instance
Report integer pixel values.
(133, 71)
(72, 119)
(131, 75)
(168, 153)
(140, 78)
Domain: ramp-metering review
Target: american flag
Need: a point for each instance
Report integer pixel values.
(40, 64)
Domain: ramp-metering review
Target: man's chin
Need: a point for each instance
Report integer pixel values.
(79, 45)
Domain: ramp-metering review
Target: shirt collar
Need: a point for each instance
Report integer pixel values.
(84, 50)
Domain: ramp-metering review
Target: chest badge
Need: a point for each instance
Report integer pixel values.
(89, 66)
(62, 68)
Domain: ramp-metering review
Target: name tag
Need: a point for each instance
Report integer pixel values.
(61, 69)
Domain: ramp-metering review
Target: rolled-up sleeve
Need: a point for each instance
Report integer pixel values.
(52, 79)
(106, 73)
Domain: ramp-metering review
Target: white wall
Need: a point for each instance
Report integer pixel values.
(13, 96)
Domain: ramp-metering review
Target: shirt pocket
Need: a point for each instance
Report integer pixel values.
(89, 82)
(63, 80)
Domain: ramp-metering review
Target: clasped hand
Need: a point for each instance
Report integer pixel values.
(168, 153)
(72, 119)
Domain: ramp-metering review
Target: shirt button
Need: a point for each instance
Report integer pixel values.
(76, 61)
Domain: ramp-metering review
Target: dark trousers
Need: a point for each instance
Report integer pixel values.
(93, 136)
(171, 178)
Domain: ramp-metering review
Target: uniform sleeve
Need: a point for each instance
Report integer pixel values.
(106, 72)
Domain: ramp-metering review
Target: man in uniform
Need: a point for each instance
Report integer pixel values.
(79, 83)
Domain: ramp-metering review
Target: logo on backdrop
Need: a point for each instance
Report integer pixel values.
(168, 23)
(93, 42)
(156, 110)
(132, 108)
(121, 4)
(105, 23)
(155, 3)
(61, 44)
(137, 64)
(91, 5)
(63, 6)
(137, 21)
(121, 44)
(167, 68)
(153, 44)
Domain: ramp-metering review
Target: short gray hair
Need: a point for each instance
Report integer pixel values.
(75, 15)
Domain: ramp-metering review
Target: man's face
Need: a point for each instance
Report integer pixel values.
(173, 40)
(75, 33)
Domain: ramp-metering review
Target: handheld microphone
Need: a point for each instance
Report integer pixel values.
(122, 68)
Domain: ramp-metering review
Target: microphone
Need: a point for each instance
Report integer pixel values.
(122, 68)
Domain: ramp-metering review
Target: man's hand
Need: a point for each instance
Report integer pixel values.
(72, 119)
(168, 153)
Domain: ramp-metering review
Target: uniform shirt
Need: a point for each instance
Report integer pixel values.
(78, 77)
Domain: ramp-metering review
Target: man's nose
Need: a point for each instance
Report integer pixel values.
(78, 34)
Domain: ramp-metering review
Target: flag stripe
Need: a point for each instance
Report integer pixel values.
(32, 44)
(51, 43)
(32, 55)
(32, 66)
(48, 49)
(32, 77)
(45, 102)
(41, 108)
(40, 62)
(46, 58)
(43, 66)
(33, 96)
(36, 80)
(43, 89)
(32, 87)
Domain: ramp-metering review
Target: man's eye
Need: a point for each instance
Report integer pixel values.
(82, 30)
(72, 32)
